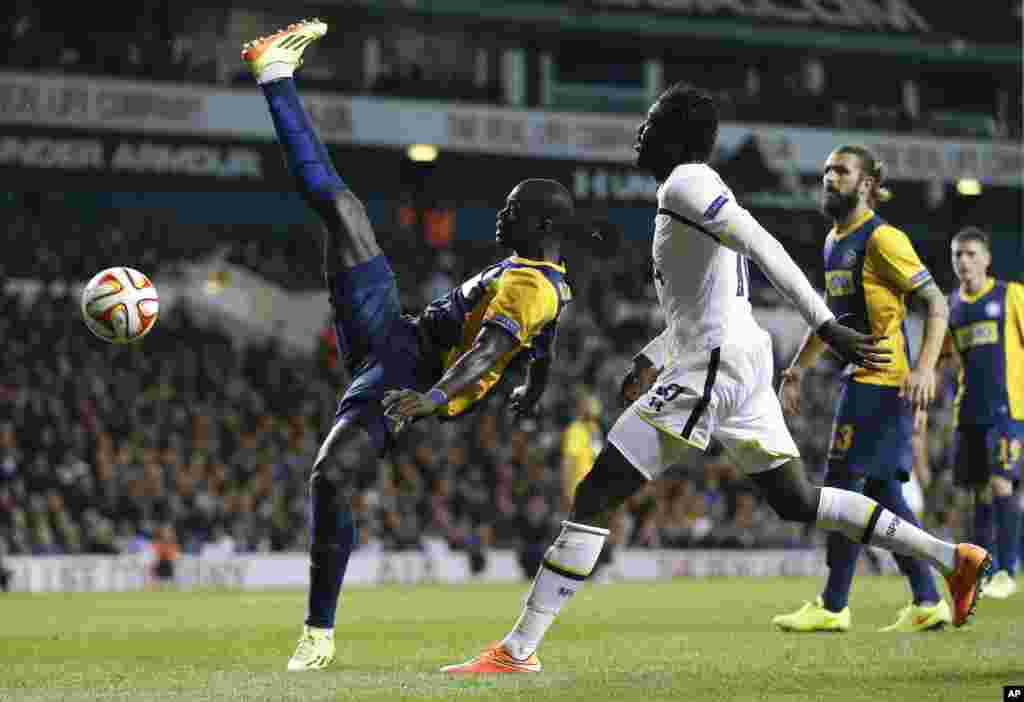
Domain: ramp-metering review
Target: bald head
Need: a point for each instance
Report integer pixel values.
(544, 197)
(537, 210)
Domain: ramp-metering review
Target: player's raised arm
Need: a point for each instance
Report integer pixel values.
(701, 198)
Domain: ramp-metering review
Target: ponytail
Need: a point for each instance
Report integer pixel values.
(874, 167)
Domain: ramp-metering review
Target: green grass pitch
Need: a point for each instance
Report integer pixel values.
(681, 640)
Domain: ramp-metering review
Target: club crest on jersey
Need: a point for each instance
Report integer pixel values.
(715, 207)
(993, 309)
(848, 259)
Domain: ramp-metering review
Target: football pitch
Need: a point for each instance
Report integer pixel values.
(685, 639)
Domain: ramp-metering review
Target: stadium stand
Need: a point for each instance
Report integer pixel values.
(213, 435)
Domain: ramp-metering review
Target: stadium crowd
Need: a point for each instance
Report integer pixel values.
(452, 63)
(193, 438)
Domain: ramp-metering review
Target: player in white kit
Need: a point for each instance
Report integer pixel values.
(715, 379)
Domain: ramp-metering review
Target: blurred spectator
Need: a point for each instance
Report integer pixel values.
(215, 437)
(582, 441)
(166, 554)
(220, 544)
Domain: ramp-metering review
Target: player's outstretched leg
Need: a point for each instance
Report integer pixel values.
(365, 300)
(566, 565)
(863, 520)
(273, 60)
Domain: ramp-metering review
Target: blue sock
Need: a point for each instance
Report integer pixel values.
(889, 494)
(308, 159)
(841, 553)
(334, 537)
(1007, 518)
(983, 530)
(841, 557)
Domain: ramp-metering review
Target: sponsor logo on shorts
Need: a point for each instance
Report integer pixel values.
(890, 531)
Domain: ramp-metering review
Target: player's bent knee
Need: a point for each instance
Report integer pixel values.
(803, 509)
(609, 483)
(350, 236)
(347, 437)
(788, 492)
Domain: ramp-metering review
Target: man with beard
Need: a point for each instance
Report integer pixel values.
(871, 269)
(715, 382)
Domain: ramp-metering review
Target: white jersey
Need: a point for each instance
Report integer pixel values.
(703, 240)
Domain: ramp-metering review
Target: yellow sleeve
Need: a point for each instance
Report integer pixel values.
(1015, 304)
(524, 303)
(893, 258)
(574, 440)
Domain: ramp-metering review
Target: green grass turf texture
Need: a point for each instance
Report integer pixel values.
(685, 639)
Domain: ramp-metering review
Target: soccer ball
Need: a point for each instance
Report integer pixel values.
(120, 305)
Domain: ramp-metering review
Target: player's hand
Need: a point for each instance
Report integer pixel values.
(864, 350)
(522, 402)
(637, 381)
(919, 388)
(407, 404)
(789, 391)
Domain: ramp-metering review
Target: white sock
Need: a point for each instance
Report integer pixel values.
(566, 565)
(275, 71)
(851, 513)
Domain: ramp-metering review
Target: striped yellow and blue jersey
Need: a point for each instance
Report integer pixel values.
(870, 267)
(987, 330)
(521, 296)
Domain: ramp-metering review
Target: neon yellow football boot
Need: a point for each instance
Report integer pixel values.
(315, 650)
(814, 617)
(914, 618)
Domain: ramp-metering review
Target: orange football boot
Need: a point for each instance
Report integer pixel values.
(496, 659)
(973, 565)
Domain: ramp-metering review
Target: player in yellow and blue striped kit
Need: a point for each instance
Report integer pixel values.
(442, 362)
(986, 329)
(871, 269)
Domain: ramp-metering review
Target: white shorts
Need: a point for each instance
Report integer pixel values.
(726, 394)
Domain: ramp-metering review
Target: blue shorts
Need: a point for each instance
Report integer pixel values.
(986, 450)
(379, 345)
(872, 435)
